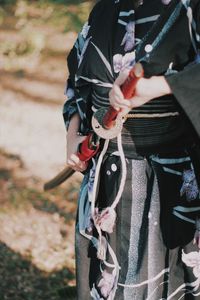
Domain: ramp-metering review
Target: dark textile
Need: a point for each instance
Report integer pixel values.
(186, 87)
(174, 38)
(151, 250)
(110, 49)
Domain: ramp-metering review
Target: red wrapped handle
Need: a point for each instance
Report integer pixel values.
(128, 89)
(87, 149)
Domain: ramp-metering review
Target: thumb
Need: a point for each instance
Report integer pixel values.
(124, 112)
(122, 77)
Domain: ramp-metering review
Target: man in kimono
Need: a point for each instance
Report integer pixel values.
(142, 241)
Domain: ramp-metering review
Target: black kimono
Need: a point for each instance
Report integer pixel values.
(138, 221)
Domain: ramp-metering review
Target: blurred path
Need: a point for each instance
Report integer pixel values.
(31, 100)
(34, 42)
(37, 227)
(35, 131)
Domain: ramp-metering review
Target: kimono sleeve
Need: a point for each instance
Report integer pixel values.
(185, 85)
(77, 102)
(73, 103)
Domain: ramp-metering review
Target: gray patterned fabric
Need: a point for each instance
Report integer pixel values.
(155, 223)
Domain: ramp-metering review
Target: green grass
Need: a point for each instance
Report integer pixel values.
(69, 15)
(19, 280)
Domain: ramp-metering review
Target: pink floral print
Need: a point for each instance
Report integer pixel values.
(106, 283)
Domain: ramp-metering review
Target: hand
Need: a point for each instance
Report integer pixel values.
(73, 141)
(146, 90)
(73, 160)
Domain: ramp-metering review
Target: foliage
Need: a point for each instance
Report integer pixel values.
(7, 2)
(32, 26)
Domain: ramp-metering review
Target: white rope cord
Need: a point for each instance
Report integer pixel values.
(198, 294)
(152, 294)
(102, 248)
(194, 284)
(116, 270)
(145, 282)
(143, 115)
(155, 115)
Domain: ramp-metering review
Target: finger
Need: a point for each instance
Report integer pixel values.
(124, 112)
(81, 168)
(77, 167)
(119, 105)
(116, 98)
(124, 104)
(127, 104)
(115, 92)
(77, 162)
(122, 77)
(137, 101)
(75, 158)
(71, 163)
(82, 165)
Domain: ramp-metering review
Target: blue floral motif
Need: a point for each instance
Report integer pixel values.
(129, 39)
(69, 93)
(91, 179)
(85, 30)
(89, 223)
(189, 187)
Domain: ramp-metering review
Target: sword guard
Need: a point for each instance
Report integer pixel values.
(97, 125)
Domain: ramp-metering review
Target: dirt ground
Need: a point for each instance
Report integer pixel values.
(37, 235)
(37, 227)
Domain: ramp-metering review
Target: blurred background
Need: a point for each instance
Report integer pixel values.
(36, 227)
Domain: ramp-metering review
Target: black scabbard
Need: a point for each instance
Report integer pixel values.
(59, 178)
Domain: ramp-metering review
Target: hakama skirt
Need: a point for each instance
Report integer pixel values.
(153, 238)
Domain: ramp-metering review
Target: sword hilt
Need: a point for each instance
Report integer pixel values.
(128, 89)
(88, 148)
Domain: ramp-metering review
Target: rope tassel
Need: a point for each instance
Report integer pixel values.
(106, 219)
(102, 248)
